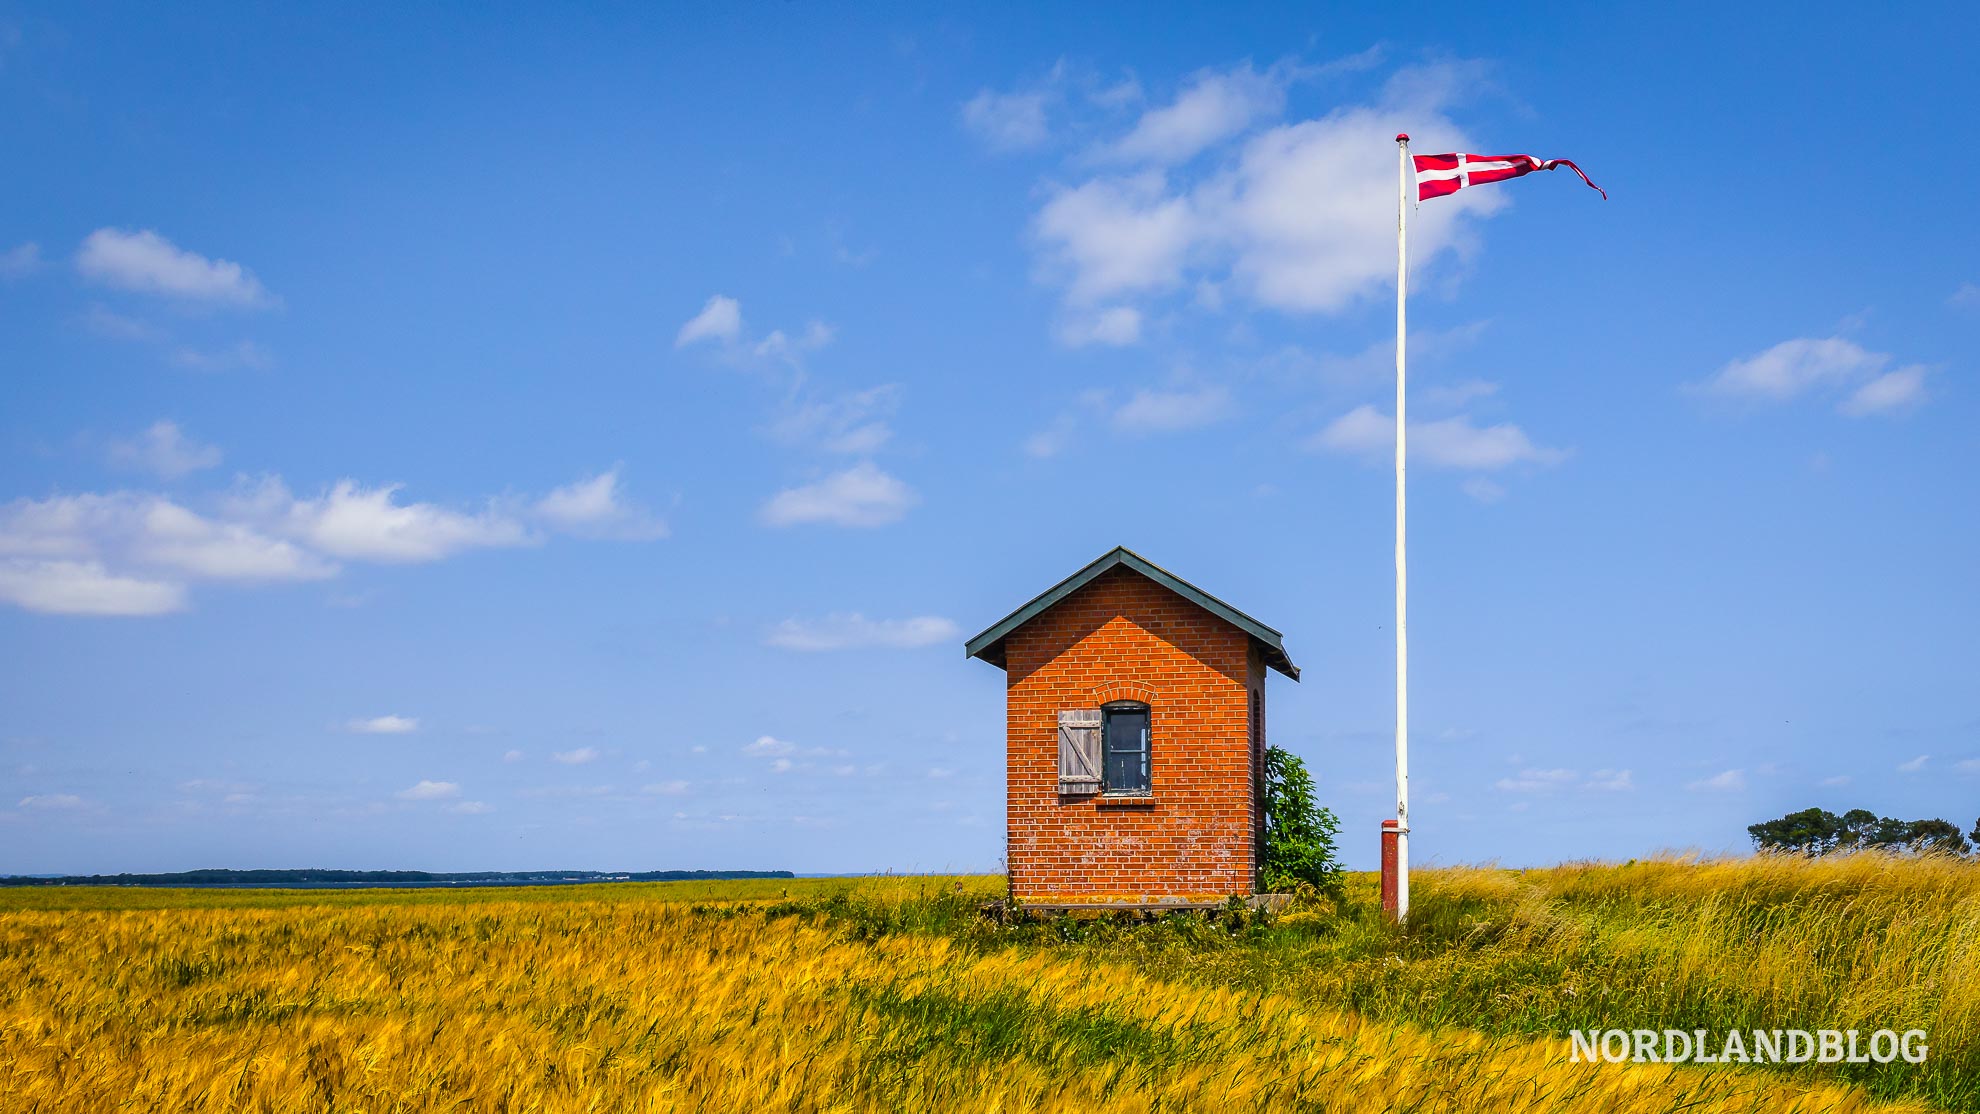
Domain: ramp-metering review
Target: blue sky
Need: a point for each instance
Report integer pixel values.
(452, 440)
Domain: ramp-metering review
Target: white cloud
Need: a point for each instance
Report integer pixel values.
(149, 263)
(51, 801)
(1167, 411)
(1549, 781)
(577, 757)
(512, 756)
(1117, 326)
(430, 791)
(1451, 396)
(1732, 781)
(1445, 443)
(1215, 106)
(854, 423)
(1008, 121)
(165, 450)
(84, 588)
(20, 260)
(1967, 296)
(1914, 765)
(1891, 391)
(1299, 219)
(596, 508)
(720, 319)
(769, 746)
(862, 495)
(1052, 440)
(665, 788)
(353, 522)
(789, 349)
(471, 808)
(149, 532)
(1796, 367)
(1115, 236)
(1613, 780)
(1482, 489)
(940, 773)
(384, 725)
(781, 766)
(1839, 779)
(1968, 766)
(131, 553)
(1537, 781)
(853, 631)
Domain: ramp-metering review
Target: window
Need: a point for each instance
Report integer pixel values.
(1125, 748)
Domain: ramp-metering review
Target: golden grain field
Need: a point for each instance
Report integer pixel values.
(647, 998)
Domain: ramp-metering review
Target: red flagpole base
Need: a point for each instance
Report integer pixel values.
(1391, 831)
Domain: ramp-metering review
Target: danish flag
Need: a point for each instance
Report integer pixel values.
(1437, 175)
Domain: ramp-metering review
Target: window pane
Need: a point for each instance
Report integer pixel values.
(1127, 750)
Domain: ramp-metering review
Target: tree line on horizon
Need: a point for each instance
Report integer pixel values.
(1817, 831)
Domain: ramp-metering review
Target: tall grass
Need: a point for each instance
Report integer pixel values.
(606, 1002)
(1867, 941)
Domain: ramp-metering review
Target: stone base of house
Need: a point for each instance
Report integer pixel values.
(1140, 906)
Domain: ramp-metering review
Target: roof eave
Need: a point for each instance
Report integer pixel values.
(989, 645)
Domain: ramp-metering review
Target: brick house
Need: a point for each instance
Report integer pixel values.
(1135, 737)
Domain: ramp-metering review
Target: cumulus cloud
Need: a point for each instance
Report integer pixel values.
(1007, 121)
(862, 495)
(1167, 411)
(132, 553)
(769, 746)
(577, 757)
(1731, 781)
(720, 319)
(164, 450)
(148, 263)
(371, 524)
(1808, 365)
(597, 508)
(471, 808)
(1214, 106)
(853, 631)
(384, 725)
(1914, 765)
(1115, 236)
(1298, 218)
(84, 588)
(1454, 443)
(430, 791)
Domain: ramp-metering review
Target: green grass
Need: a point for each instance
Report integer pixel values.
(1869, 943)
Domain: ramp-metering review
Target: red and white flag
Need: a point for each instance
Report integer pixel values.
(1437, 175)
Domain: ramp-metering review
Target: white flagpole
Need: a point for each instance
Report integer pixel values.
(1404, 178)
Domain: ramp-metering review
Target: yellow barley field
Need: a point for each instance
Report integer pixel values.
(645, 998)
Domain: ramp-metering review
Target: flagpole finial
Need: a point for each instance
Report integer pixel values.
(1402, 137)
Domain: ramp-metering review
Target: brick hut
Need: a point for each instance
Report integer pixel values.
(1135, 737)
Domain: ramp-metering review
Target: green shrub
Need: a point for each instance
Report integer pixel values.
(1299, 834)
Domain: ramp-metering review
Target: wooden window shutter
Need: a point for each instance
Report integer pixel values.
(1079, 751)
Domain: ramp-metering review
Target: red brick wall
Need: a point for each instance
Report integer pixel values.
(1122, 637)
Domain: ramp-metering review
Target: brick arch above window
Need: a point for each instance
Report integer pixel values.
(1122, 690)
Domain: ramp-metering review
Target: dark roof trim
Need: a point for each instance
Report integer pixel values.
(990, 644)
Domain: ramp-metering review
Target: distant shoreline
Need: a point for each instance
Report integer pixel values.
(315, 879)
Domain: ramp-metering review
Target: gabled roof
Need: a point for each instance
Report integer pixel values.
(990, 644)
